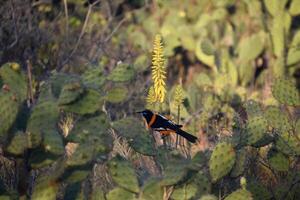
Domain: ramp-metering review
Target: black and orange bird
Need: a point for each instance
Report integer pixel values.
(160, 123)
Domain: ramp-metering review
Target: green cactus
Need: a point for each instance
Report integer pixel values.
(119, 193)
(202, 182)
(9, 110)
(45, 188)
(73, 192)
(89, 103)
(76, 175)
(293, 56)
(53, 143)
(288, 143)
(208, 197)
(174, 173)
(58, 80)
(87, 128)
(70, 93)
(256, 129)
(251, 47)
(18, 144)
(240, 163)
(97, 194)
(83, 155)
(94, 78)
(39, 158)
(123, 174)
(185, 191)
(122, 73)
(44, 117)
(278, 161)
(253, 108)
(258, 191)
(286, 92)
(240, 194)
(222, 160)
(15, 81)
(277, 119)
(137, 136)
(207, 47)
(152, 190)
(117, 95)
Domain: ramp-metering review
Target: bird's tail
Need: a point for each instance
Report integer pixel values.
(187, 136)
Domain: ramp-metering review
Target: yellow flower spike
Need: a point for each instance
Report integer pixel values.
(151, 98)
(158, 69)
(178, 96)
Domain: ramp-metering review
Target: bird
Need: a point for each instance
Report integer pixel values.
(160, 123)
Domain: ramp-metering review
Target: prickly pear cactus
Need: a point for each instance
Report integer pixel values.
(122, 73)
(94, 78)
(208, 197)
(45, 188)
(185, 191)
(120, 193)
(278, 161)
(89, 103)
(152, 190)
(256, 129)
(240, 163)
(14, 81)
(174, 173)
(240, 194)
(138, 138)
(286, 92)
(44, 117)
(9, 110)
(253, 108)
(123, 174)
(53, 142)
(18, 144)
(288, 143)
(221, 161)
(277, 119)
(117, 95)
(70, 93)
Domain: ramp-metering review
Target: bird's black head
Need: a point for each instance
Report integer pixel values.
(147, 114)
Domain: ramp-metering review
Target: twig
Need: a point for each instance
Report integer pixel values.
(83, 29)
(30, 93)
(67, 20)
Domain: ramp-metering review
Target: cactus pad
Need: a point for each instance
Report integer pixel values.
(89, 103)
(185, 191)
(258, 191)
(137, 136)
(70, 93)
(221, 160)
(240, 163)
(116, 95)
(119, 193)
(240, 194)
(53, 143)
(9, 110)
(45, 188)
(256, 129)
(123, 174)
(18, 144)
(152, 190)
(277, 119)
(253, 108)
(207, 47)
(278, 161)
(43, 117)
(94, 78)
(15, 80)
(174, 173)
(83, 154)
(208, 197)
(289, 143)
(122, 73)
(286, 92)
(202, 182)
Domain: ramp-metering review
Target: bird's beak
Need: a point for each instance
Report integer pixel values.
(139, 112)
